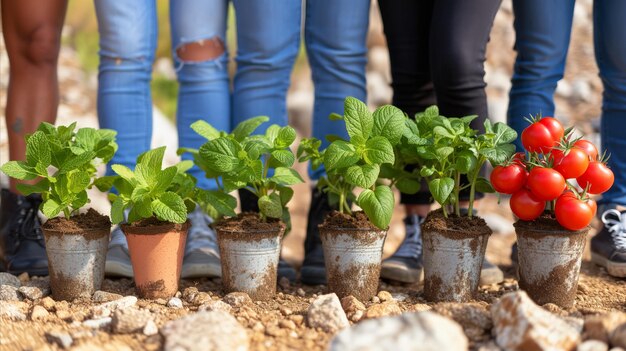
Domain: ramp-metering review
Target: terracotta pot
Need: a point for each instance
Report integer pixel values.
(156, 253)
(549, 263)
(452, 262)
(352, 257)
(250, 260)
(76, 261)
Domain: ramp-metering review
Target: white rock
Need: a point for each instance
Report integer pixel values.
(11, 311)
(130, 320)
(124, 302)
(31, 292)
(581, 90)
(150, 328)
(9, 293)
(104, 296)
(413, 331)
(593, 345)
(38, 312)
(98, 323)
(519, 322)
(9, 279)
(563, 88)
(175, 302)
(205, 331)
(237, 299)
(60, 338)
(214, 305)
(326, 313)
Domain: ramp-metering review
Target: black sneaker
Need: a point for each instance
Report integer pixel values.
(313, 270)
(405, 265)
(249, 203)
(608, 247)
(21, 238)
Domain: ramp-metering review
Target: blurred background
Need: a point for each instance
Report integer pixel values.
(578, 95)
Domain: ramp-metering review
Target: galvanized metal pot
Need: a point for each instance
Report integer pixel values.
(549, 263)
(76, 261)
(352, 257)
(250, 260)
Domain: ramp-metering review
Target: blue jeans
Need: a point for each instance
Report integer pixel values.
(128, 39)
(543, 32)
(268, 41)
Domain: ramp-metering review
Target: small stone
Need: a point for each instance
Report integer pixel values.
(190, 293)
(593, 345)
(31, 292)
(175, 302)
(178, 294)
(205, 331)
(258, 327)
(101, 312)
(61, 305)
(419, 307)
(38, 313)
(9, 293)
(474, 317)
(384, 296)
(351, 304)
(215, 306)
(600, 327)
(11, 311)
(9, 279)
(43, 284)
(123, 303)
(199, 298)
(98, 323)
(273, 330)
(130, 320)
(297, 318)
(300, 292)
(618, 337)
(237, 299)
(387, 308)
(104, 296)
(356, 316)
(433, 331)
(24, 277)
(64, 340)
(287, 324)
(47, 303)
(375, 299)
(64, 314)
(284, 283)
(285, 311)
(160, 301)
(327, 314)
(150, 328)
(400, 297)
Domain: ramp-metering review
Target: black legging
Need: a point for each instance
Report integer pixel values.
(437, 50)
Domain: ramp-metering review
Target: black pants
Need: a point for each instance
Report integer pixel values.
(437, 50)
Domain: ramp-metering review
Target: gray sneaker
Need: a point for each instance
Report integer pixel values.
(490, 273)
(118, 259)
(202, 258)
(405, 265)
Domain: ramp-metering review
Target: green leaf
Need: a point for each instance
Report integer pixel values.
(286, 194)
(377, 205)
(272, 133)
(149, 165)
(224, 203)
(408, 185)
(205, 130)
(389, 123)
(484, 186)
(183, 166)
(257, 147)
(170, 207)
(362, 176)
(359, 120)
(286, 176)
(442, 132)
(247, 127)
(222, 154)
(164, 180)
(427, 171)
(270, 206)
(117, 211)
(441, 188)
(340, 154)
(76, 161)
(81, 200)
(443, 152)
(503, 133)
(105, 183)
(335, 117)
(499, 154)
(286, 136)
(125, 173)
(252, 172)
(38, 150)
(37, 188)
(19, 170)
(51, 208)
(282, 158)
(78, 181)
(465, 162)
(379, 150)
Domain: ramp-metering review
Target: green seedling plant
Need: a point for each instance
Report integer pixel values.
(260, 163)
(149, 191)
(64, 162)
(357, 162)
(448, 148)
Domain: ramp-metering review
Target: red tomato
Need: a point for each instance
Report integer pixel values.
(508, 179)
(589, 148)
(599, 176)
(571, 164)
(519, 158)
(593, 205)
(555, 127)
(546, 184)
(537, 138)
(525, 206)
(573, 213)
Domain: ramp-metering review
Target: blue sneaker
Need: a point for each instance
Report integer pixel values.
(202, 258)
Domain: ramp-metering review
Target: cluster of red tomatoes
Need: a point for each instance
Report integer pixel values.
(541, 176)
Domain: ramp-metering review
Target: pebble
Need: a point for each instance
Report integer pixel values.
(150, 328)
(618, 337)
(601, 326)
(384, 296)
(400, 297)
(9, 293)
(104, 296)
(327, 314)
(215, 305)
(64, 340)
(101, 312)
(286, 323)
(123, 303)
(39, 312)
(352, 304)
(175, 302)
(300, 292)
(31, 292)
(375, 299)
(64, 314)
(474, 317)
(98, 323)
(47, 303)
(9, 279)
(357, 316)
(237, 299)
(297, 318)
(11, 311)
(129, 320)
(387, 308)
(593, 345)
(205, 331)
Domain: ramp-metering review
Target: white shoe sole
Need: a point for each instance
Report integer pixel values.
(197, 270)
(118, 269)
(400, 273)
(491, 276)
(617, 270)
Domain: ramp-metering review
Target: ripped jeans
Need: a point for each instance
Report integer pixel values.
(128, 41)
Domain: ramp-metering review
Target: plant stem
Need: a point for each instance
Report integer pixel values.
(457, 185)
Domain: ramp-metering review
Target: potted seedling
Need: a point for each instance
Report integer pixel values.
(450, 157)
(64, 163)
(553, 214)
(249, 243)
(353, 241)
(158, 201)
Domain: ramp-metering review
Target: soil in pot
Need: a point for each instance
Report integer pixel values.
(156, 252)
(549, 260)
(454, 249)
(250, 250)
(353, 249)
(76, 249)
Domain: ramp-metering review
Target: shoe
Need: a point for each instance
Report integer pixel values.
(405, 265)
(313, 270)
(202, 258)
(118, 259)
(21, 238)
(490, 273)
(608, 247)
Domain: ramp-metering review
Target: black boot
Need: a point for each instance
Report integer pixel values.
(21, 238)
(313, 269)
(608, 247)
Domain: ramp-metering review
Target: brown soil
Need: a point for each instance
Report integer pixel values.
(153, 290)
(347, 283)
(249, 223)
(91, 224)
(357, 220)
(153, 226)
(455, 227)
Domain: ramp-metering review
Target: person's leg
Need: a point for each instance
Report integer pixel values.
(336, 48)
(32, 35)
(542, 38)
(608, 247)
(200, 58)
(128, 34)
